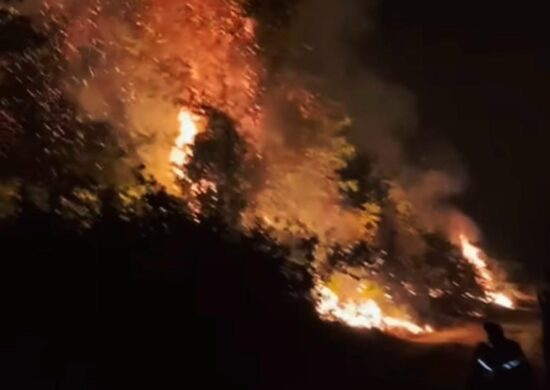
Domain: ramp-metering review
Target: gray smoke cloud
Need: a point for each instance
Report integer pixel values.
(325, 32)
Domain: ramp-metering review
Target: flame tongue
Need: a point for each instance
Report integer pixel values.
(485, 277)
(181, 154)
(182, 151)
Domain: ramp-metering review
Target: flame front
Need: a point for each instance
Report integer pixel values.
(485, 277)
(365, 314)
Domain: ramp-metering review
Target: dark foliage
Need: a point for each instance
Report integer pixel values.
(370, 188)
(222, 157)
(160, 302)
(16, 33)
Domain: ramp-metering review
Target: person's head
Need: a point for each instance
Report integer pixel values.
(495, 332)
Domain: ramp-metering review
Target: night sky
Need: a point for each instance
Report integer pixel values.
(479, 71)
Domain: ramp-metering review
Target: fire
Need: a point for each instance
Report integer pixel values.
(205, 53)
(181, 154)
(339, 303)
(365, 314)
(484, 275)
(502, 299)
(182, 151)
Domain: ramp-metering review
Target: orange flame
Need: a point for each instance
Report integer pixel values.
(485, 277)
(182, 151)
(365, 314)
(181, 154)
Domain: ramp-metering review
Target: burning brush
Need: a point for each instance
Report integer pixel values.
(275, 167)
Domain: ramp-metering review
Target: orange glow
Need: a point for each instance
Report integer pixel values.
(485, 277)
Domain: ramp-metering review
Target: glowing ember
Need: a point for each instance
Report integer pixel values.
(182, 151)
(366, 314)
(484, 275)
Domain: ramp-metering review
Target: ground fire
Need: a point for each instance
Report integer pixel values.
(363, 313)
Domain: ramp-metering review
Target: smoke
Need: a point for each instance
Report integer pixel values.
(327, 32)
(430, 192)
(329, 37)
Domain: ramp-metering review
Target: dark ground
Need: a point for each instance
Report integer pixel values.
(115, 309)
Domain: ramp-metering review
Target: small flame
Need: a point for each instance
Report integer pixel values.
(366, 314)
(485, 277)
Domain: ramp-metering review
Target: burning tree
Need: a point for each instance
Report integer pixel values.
(221, 172)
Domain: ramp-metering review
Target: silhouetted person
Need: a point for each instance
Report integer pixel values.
(500, 362)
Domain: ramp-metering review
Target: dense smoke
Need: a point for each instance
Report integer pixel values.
(329, 37)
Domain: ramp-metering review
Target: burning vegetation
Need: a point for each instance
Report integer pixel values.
(185, 95)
